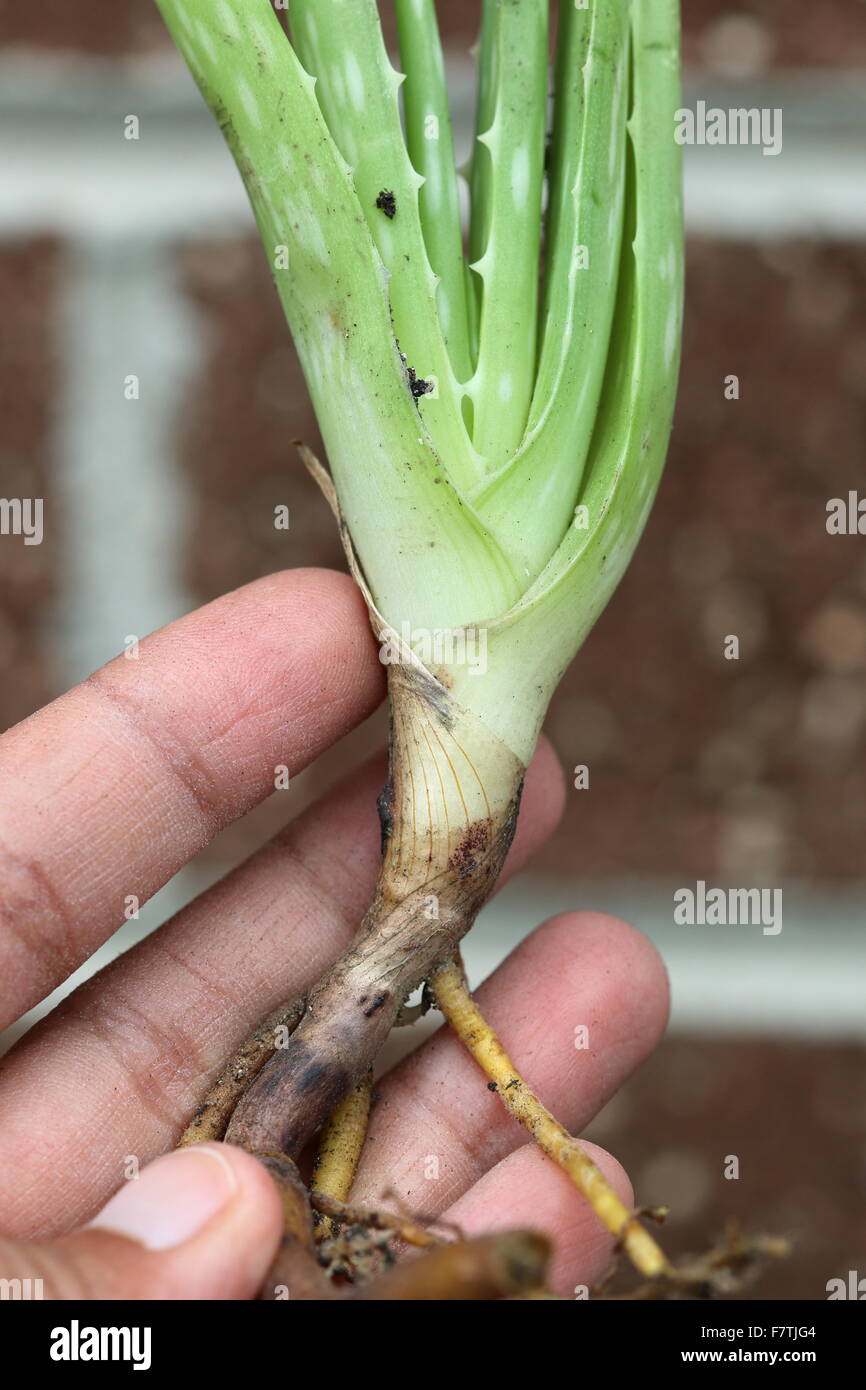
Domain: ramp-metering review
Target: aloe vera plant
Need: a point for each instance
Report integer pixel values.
(495, 409)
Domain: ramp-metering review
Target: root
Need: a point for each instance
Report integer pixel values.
(212, 1117)
(452, 996)
(340, 1149)
(492, 1267)
(295, 1273)
(727, 1268)
(723, 1270)
(401, 1227)
(499, 1266)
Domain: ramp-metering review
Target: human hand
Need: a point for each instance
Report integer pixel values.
(107, 793)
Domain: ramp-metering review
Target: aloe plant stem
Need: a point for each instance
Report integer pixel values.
(466, 416)
(448, 818)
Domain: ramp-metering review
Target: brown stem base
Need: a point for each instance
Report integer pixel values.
(211, 1119)
(448, 816)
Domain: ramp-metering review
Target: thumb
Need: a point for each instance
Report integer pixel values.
(200, 1223)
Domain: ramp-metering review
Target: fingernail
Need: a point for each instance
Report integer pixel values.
(173, 1199)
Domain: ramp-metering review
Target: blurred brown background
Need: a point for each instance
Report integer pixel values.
(749, 772)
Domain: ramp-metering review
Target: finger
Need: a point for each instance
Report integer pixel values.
(200, 1223)
(111, 789)
(151, 1031)
(528, 1191)
(436, 1128)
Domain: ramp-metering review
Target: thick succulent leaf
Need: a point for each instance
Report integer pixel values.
(431, 148)
(430, 558)
(507, 175)
(530, 499)
(425, 554)
(529, 649)
(341, 44)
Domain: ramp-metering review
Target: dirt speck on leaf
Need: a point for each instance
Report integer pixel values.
(387, 203)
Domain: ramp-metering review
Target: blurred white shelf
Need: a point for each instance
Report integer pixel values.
(809, 980)
(67, 166)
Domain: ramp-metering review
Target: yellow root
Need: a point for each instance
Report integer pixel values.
(452, 996)
(404, 1228)
(340, 1149)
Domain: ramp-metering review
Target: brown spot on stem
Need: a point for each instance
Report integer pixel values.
(375, 1003)
(466, 856)
(312, 1077)
(385, 807)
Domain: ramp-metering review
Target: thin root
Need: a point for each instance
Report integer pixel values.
(212, 1117)
(452, 996)
(400, 1227)
(726, 1269)
(499, 1266)
(340, 1149)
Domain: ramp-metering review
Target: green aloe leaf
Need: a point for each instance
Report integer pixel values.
(358, 92)
(431, 148)
(530, 647)
(530, 499)
(507, 170)
(335, 291)
(525, 529)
